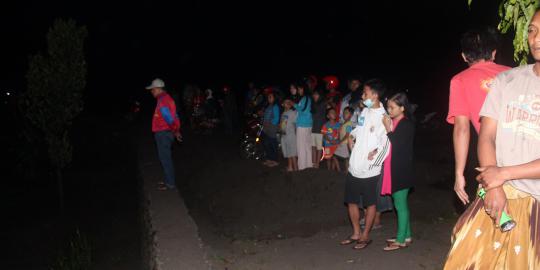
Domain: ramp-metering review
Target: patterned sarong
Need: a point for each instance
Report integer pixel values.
(478, 244)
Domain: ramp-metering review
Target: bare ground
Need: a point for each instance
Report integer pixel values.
(253, 217)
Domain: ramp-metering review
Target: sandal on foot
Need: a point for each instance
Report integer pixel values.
(395, 246)
(348, 241)
(393, 240)
(362, 244)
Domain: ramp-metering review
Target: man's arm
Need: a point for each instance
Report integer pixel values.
(495, 200)
(486, 142)
(170, 119)
(491, 176)
(461, 138)
(377, 155)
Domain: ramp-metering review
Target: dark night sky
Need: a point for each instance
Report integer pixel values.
(411, 44)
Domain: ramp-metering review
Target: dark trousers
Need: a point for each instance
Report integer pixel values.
(270, 147)
(164, 141)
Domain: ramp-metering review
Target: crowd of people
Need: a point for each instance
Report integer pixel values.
(352, 133)
(370, 137)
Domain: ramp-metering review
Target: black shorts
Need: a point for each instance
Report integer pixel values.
(361, 191)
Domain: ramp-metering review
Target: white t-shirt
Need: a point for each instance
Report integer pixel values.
(370, 134)
(514, 101)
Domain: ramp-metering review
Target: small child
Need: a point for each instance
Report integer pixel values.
(345, 130)
(331, 141)
(288, 135)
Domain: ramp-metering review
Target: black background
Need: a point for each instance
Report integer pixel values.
(411, 44)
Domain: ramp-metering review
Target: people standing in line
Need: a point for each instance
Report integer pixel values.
(468, 90)
(343, 151)
(304, 124)
(369, 145)
(509, 155)
(288, 135)
(166, 127)
(352, 98)
(318, 110)
(270, 130)
(330, 132)
(398, 167)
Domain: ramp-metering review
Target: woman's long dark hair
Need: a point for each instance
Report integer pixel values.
(401, 100)
(305, 94)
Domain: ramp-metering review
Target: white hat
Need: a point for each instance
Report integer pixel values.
(157, 83)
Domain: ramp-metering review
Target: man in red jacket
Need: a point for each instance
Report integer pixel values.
(166, 127)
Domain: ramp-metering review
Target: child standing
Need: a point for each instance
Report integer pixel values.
(398, 166)
(330, 132)
(345, 130)
(367, 155)
(288, 135)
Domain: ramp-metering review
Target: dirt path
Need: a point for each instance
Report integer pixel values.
(252, 217)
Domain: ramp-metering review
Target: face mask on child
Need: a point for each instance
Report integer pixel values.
(368, 103)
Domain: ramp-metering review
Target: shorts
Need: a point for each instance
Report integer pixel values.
(361, 191)
(342, 151)
(317, 140)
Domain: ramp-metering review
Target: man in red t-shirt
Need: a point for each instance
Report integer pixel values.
(468, 90)
(166, 127)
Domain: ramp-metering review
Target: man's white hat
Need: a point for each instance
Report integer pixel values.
(157, 83)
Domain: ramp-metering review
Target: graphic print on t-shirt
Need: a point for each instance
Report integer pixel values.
(361, 120)
(486, 84)
(523, 116)
(284, 120)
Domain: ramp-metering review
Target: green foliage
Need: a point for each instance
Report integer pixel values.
(517, 14)
(78, 255)
(55, 88)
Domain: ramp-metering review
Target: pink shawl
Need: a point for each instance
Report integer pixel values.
(387, 173)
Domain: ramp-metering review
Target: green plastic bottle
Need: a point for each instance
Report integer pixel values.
(506, 223)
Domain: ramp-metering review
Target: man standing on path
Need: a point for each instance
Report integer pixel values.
(509, 154)
(166, 127)
(468, 90)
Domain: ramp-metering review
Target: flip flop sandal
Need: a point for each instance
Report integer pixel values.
(362, 244)
(348, 241)
(393, 240)
(395, 246)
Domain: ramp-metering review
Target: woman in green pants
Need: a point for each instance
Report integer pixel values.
(398, 167)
